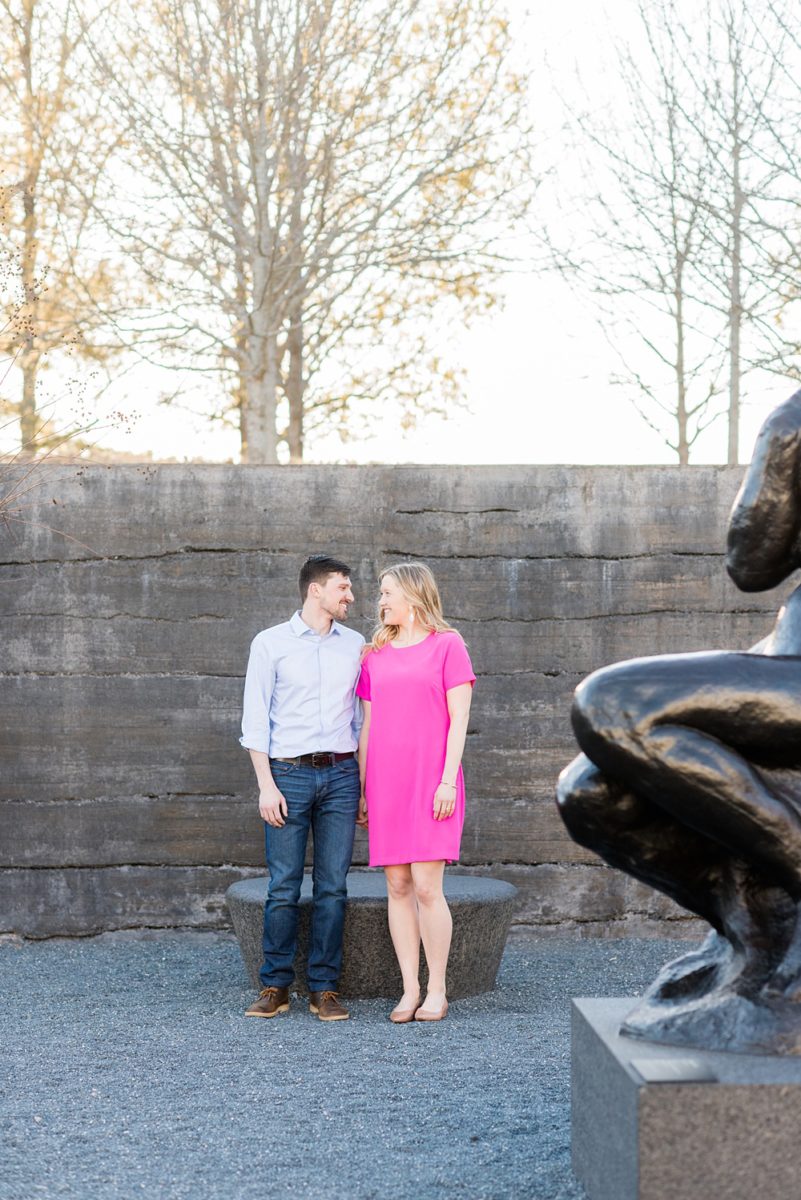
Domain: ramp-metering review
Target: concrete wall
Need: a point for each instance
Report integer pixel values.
(130, 595)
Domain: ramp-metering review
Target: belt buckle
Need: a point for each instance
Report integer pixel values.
(321, 758)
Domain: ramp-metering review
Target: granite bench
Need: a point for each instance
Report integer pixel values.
(482, 912)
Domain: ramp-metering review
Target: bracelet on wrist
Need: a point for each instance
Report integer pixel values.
(442, 783)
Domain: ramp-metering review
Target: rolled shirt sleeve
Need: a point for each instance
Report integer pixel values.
(358, 717)
(259, 685)
(361, 692)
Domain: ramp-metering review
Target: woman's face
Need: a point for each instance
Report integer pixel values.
(392, 603)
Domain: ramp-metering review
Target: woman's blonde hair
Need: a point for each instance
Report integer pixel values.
(419, 586)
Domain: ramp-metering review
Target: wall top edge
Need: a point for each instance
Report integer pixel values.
(453, 468)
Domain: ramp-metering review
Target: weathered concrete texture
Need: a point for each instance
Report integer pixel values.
(554, 899)
(482, 913)
(599, 901)
(738, 1137)
(129, 597)
(94, 899)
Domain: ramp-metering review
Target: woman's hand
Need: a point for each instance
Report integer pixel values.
(444, 802)
(361, 819)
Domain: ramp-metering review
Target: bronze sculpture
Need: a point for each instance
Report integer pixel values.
(690, 780)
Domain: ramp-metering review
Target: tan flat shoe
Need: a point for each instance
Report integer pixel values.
(402, 1016)
(421, 1015)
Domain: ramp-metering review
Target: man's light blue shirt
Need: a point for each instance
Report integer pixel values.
(300, 690)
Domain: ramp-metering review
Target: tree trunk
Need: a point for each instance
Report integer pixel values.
(30, 355)
(295, 388)
(258, 413)
(257, 427)
(735, 282)
(241, 397)
(735, 322)
(240, 355)
(28, 417)
(683, 444)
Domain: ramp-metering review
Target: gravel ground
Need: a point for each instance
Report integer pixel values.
(128, 1070)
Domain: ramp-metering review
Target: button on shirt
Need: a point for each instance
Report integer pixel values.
(300, 690)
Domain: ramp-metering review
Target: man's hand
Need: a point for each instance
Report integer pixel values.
(272, 807)
(444, 802)
(361, 819)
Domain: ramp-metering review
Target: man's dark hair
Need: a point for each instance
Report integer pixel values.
(316, 569)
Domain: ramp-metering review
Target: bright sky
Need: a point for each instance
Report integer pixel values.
(538, 371)
(537, 388)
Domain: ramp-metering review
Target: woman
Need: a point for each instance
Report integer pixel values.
(415, 686)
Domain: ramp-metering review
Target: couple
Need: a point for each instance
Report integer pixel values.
(303, 727)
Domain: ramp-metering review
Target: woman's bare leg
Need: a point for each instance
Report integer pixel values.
(436, 927)
(404, 929)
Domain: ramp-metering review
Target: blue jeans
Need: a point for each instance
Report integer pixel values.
(325, 800)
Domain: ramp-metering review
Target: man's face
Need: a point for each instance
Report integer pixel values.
(334, 596)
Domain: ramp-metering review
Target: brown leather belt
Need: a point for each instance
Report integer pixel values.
(320, 758)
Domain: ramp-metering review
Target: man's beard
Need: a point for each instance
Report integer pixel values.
(338, 613)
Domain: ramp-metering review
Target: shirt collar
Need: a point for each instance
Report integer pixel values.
(299, 626)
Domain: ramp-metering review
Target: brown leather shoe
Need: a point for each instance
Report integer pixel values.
(271, 1001)
(326, 1006)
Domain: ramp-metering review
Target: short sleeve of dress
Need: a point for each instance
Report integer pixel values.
(456, 665)
(363, 686)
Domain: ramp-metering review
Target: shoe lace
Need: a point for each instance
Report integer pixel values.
(329, 996)
(267, 991)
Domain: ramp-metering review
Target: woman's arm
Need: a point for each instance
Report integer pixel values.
(459, 711)
(364, 735)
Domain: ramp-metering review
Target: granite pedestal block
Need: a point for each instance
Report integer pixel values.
(482, 913)
(727, 1128)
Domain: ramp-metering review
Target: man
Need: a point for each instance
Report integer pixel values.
(299, 724)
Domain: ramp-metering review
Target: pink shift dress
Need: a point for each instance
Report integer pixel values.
(409, 725)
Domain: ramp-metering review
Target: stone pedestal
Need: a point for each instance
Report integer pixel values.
(727, 1128)
(482, 913)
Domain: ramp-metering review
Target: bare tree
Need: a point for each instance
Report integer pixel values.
(644, 228)
(320, 176)
(56, 144)
(774, 36)
(738, 67)
(686, 249)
